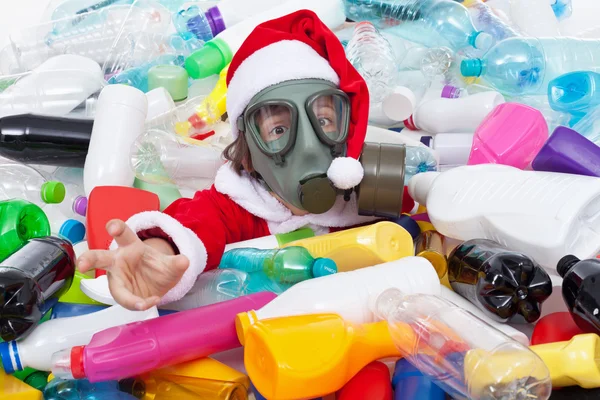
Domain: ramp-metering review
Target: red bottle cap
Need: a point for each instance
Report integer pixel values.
(372, 382)
(77, 368)
(555, 327)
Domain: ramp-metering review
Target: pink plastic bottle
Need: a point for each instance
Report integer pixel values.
(512, 134)
(140, 347)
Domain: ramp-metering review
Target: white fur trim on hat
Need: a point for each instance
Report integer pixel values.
(186, 241)
(345, 172)
(279, 62)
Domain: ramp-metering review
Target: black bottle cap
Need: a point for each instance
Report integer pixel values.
(409, 224)
(565, 264)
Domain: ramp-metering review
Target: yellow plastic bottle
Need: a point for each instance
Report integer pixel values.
(205, 368)
(309, 356)
(75, 295)
(173, 387)
(430, 245)
(576, 362)
(361, 247)
(13, 389)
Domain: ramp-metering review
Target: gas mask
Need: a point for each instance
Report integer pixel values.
(296, 129)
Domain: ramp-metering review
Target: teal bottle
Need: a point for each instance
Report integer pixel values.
(61, 389)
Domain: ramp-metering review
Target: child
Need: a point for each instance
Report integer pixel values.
(298, 111)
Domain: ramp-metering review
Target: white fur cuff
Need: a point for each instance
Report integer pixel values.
(186, 241)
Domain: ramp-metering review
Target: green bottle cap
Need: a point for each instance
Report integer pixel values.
(172, 77)
(209, 60)
(323, 267)
(299, 234)
(53, 192)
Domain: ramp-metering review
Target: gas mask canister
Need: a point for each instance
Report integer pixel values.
(296, 129)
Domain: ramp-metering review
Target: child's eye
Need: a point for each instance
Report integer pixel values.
(278, 130)
(325, 122)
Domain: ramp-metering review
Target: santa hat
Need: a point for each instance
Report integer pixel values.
(300, 46)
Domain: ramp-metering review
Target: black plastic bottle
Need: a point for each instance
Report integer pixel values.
(31, 281)
(42, 139)
(505, 284)
(581, 291)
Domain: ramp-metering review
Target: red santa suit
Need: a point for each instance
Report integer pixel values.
(237, 208)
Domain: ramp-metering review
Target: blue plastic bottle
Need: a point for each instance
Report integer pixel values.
(61, 389)
(575, 93)
(410, 384)
(518, 66)
(138, 76)
(440, 22)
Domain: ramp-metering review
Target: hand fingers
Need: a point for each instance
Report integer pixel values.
(179, 264)
(95, 259)
(122, 234)
(126, 298)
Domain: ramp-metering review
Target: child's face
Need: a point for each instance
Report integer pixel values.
(276, 120)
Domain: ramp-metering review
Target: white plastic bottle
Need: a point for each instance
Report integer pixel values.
(534, 18)
(35, 351)
(452, 148)
(231, 12)
(120, 117)
(454, 115)
(217, 53)
(350, 294)
(544, 215)
(56, 87)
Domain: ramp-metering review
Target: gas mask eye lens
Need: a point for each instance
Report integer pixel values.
(329, 114)
(272, 125)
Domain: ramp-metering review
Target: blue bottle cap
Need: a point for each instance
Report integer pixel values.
(409, 224)
(323, 267)
(471, 67)
(72, 230)
(6, 348)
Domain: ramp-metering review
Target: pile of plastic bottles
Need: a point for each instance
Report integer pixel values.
(487, 291)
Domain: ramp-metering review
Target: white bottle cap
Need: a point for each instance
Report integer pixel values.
(159, 102)
(124, 95)
(400, 104)
(453, 148)
(419, 186)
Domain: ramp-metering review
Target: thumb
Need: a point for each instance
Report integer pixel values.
(122, 234)
(178, 264)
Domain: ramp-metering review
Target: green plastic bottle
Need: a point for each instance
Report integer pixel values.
(20, 221)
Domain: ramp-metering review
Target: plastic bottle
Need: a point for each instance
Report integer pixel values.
(14, 388)
(512, 134)
(454, 115)
(137, 77)
(575, 93)
(411, 384)
(228, 13)
(502, 283)
(332, 294)
(486, 20)
(273, 241)
(61, 389)
(167, 387)
(418, 20)
(589, 126)
(141, 347)
(288, 265)
(518, 66)
(372, 56)
(162, 157)
(34, 378)
(191, 22)
(461, 353)
(400, 104)
(568, 152)
(75, 202)
(32, 279)
(20, 221)
(217, 53)
(572, 362)
(119, 121)
(527, 211)
(373, 382)
(204, 368)
(56, 87)
(430, 245)
(360, 247)
(534, 18)
(562, 9)
(40, 139)
(452, 148)
(307, 356)
(580, 292)
(36, 349)
(24, 182)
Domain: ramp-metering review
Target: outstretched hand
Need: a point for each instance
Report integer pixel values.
(139, 272)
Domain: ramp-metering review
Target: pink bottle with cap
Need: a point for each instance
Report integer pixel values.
(140, 347)
(512, 134)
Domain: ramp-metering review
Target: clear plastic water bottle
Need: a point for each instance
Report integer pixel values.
(191, 22)
(518, 66)
(288, 265)
(589, 126)
(485, 20)
(62, 389)
(372, 56)
(418, 20)
(23, 182)
(462, 354)
(138, 76)
(534, 18)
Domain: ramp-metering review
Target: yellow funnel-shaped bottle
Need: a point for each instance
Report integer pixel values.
(309, 356)
(13, 389)
(171, 387)
(430, 245)
(576, 362)
(205, 368)
(361, 247)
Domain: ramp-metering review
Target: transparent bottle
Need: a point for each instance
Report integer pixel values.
(288, 265)
(575, 93)
(138, 76)
(518, 66)
(465, 356)
(191, 22)
(418, 20)
(63, 389)
(372, 56)
(161, 157)
(589, 126)
(534, 18)
(20, 181)
(487, 21)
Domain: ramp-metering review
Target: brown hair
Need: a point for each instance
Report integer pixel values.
(238, 153)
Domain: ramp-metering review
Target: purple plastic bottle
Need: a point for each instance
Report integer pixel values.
(140, 347)
(568, 152)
